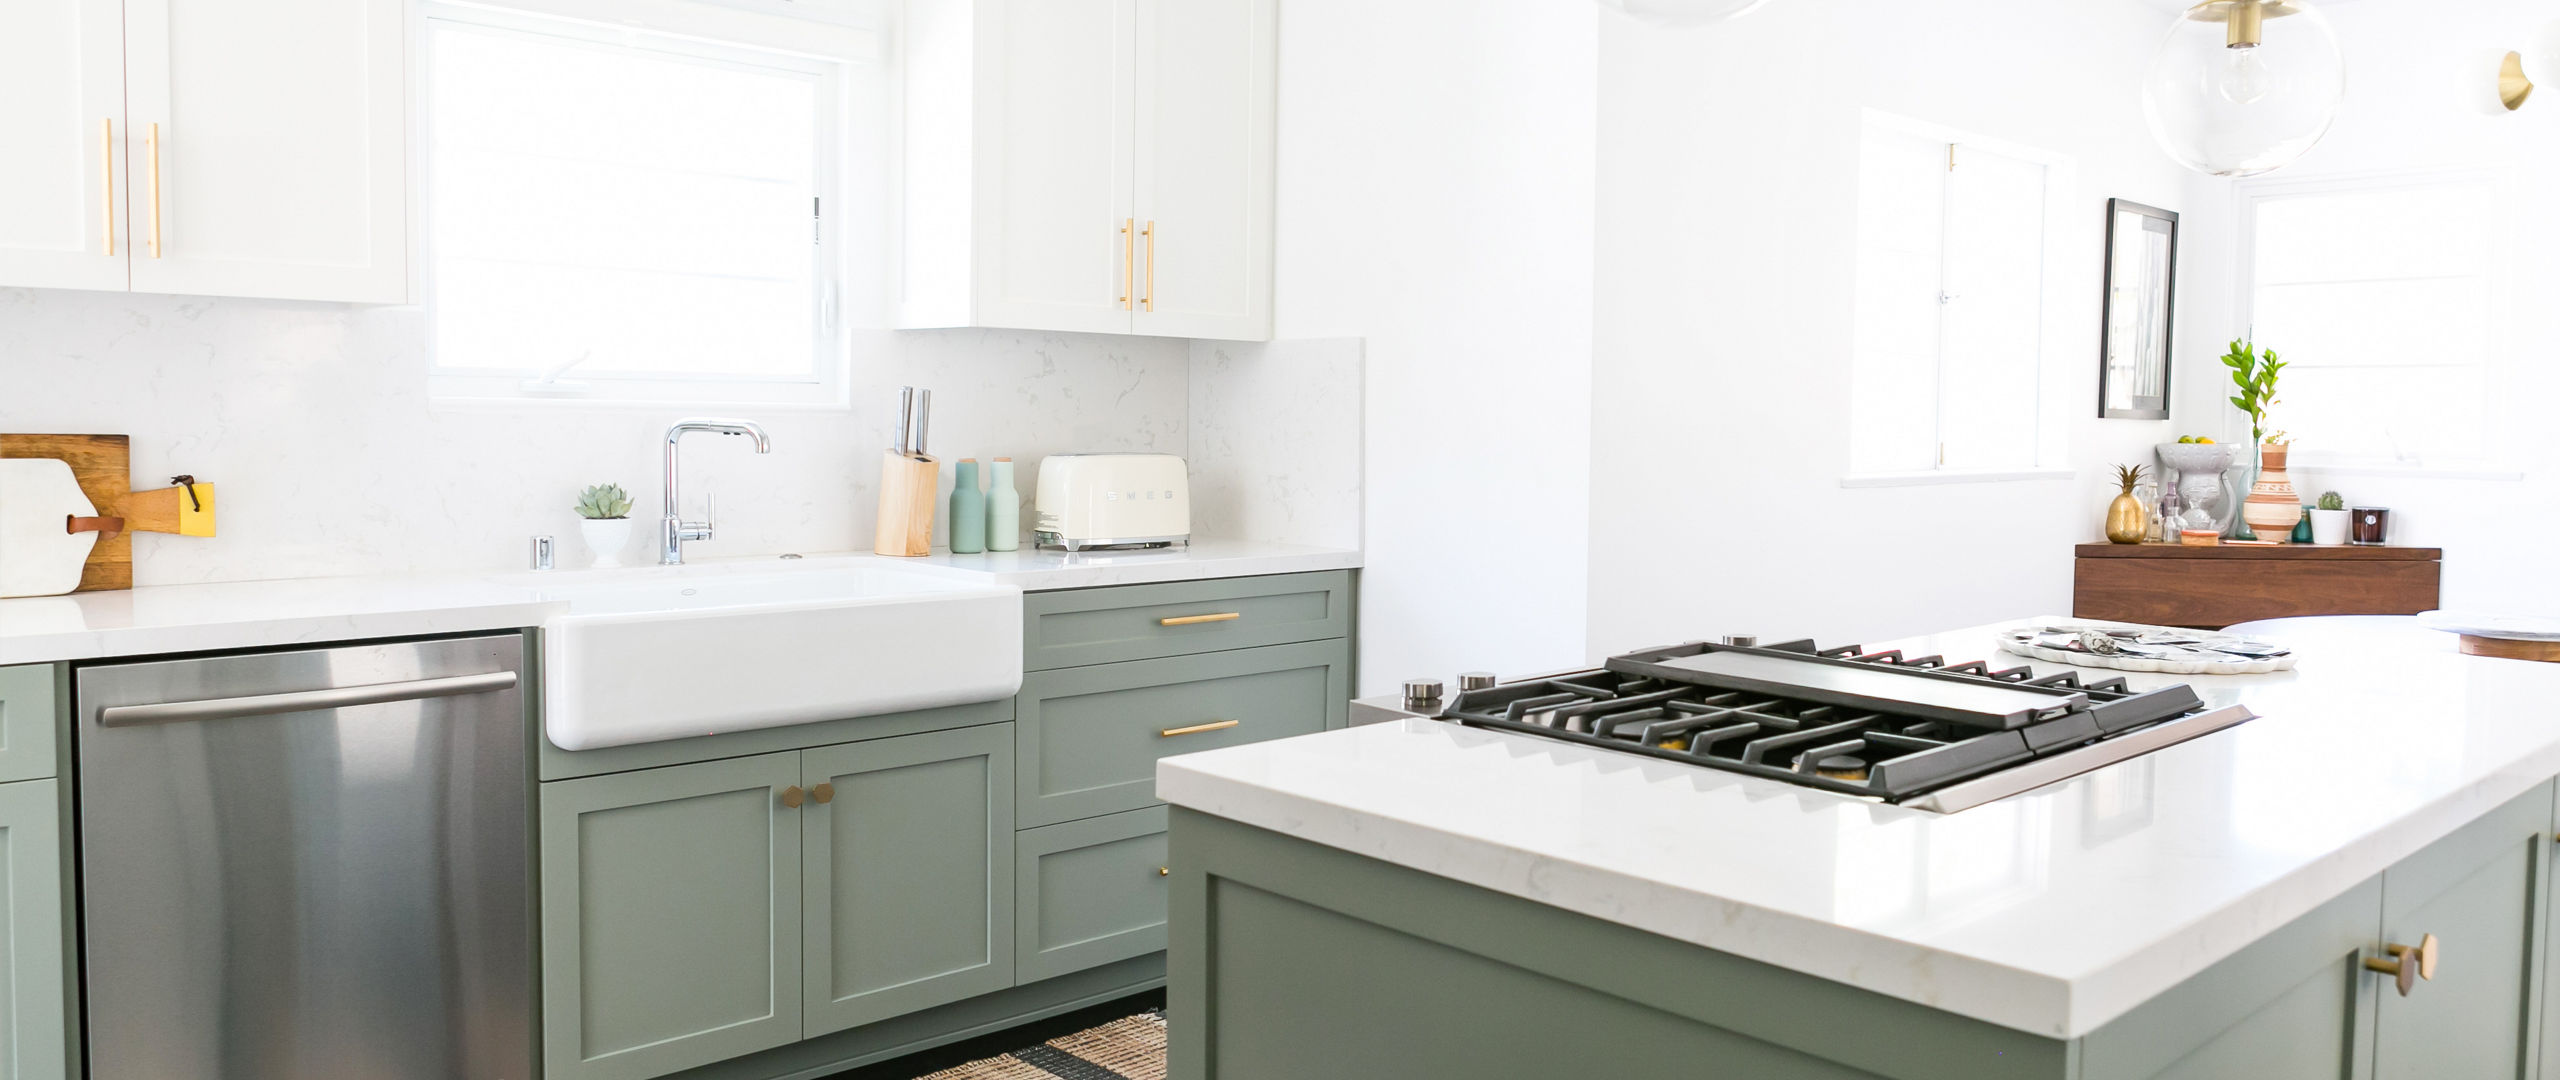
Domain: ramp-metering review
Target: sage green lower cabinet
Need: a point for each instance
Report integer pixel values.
(907, 874)
(2480, 893)
(36, 1042)
(1091, 892)
(670, 917)
(1274, 937)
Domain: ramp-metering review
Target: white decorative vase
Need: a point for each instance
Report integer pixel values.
(606, 538)
(2329, 527)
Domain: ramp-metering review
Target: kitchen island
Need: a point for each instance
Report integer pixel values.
(1418, 899)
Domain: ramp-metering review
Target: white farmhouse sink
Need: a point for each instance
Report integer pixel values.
(674, 652)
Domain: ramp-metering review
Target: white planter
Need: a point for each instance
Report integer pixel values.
(608, 537)
(2329, 527)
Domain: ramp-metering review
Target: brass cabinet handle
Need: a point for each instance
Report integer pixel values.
(824, 793)
(1195, 620)
(2407, 964)
(1219, 725)
(1164, 871)
(1128, 260)
(107, 180)
(154, 143)
(1148, 298)
(792, 795)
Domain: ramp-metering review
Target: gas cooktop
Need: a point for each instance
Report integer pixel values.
(1912, 730)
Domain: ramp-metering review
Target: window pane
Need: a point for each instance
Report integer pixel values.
(1894, 367)
(1994, 312)
(646, 209)
(2382, 304)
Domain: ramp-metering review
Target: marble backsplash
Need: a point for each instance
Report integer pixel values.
(1275, 435)
(314, 421)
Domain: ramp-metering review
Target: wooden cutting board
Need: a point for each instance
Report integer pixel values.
(103, 465)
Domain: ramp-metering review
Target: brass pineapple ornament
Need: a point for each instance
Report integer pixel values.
(2127, 520)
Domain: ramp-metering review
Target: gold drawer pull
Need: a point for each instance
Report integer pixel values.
(792, 796)
(2407, 964)
(1164, 871)
(1195, 620)
(1219, 725)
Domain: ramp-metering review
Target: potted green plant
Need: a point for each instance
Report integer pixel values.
(2273, 508)
(604, 512)
(2329, 520)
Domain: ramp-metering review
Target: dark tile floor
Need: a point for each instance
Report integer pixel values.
(990, 1045)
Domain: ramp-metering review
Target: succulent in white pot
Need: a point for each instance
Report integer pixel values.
(605, 513)
(2329, 520)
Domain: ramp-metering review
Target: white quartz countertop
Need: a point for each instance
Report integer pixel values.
(160, 619)
(1049, 568)
(2050, 912)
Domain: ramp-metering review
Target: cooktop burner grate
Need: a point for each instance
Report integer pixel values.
(1881, 725)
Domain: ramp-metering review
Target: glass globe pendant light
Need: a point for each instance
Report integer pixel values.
(2242, 87)
(1685, 12)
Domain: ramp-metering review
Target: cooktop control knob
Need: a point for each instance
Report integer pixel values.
(1475, 680)
(1422, 695)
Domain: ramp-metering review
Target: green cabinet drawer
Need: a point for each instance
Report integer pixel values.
(29, 712)
(1089, 892)
(1138, 622)
(1087, 739)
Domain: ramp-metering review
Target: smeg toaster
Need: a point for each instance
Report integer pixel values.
(1111, 500)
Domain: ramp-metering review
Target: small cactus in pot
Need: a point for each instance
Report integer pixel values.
(604, 502)
(605, 510)
(2329, 520)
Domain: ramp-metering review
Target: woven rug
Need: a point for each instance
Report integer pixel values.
(1126, 1049)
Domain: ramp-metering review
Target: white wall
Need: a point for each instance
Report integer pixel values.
(1722, 326)
(1435, 199)
(313, 420)
(2421, 95)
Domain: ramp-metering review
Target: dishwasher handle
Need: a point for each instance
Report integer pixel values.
(336, 697)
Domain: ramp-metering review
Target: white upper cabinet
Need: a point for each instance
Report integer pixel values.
(61, 165)
(205, 147)
(281, 165)
(1092, 165)
(1206, 117)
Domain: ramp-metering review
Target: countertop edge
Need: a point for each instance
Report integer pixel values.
(123, 643)
(2021, 1000)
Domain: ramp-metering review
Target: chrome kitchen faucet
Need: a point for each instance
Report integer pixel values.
(673, 530)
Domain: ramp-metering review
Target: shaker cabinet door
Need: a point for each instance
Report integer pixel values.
(268, 148)
(2479, 893)
(1207, 125)
(907, 845)
(1056, 88)
(35, 1036)
(62, 168)
(670, 917)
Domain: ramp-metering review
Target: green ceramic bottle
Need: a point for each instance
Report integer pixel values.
(2302, 528)
(968, 510)
(1004, 508)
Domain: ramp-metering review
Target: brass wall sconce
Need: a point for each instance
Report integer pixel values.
(2513, 87)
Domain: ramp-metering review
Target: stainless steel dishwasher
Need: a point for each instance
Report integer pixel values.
(307, 865)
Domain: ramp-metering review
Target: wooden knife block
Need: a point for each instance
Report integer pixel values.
(908, 486)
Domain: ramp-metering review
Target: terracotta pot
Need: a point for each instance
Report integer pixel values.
(2274, 508)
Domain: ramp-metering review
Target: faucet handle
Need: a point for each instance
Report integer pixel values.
(710, 512)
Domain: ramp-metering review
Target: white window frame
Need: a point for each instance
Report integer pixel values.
(2502, 412)
(2052, 423)
(845, 45)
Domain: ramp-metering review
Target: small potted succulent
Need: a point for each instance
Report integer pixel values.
(2329, 520)
(605, 513)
